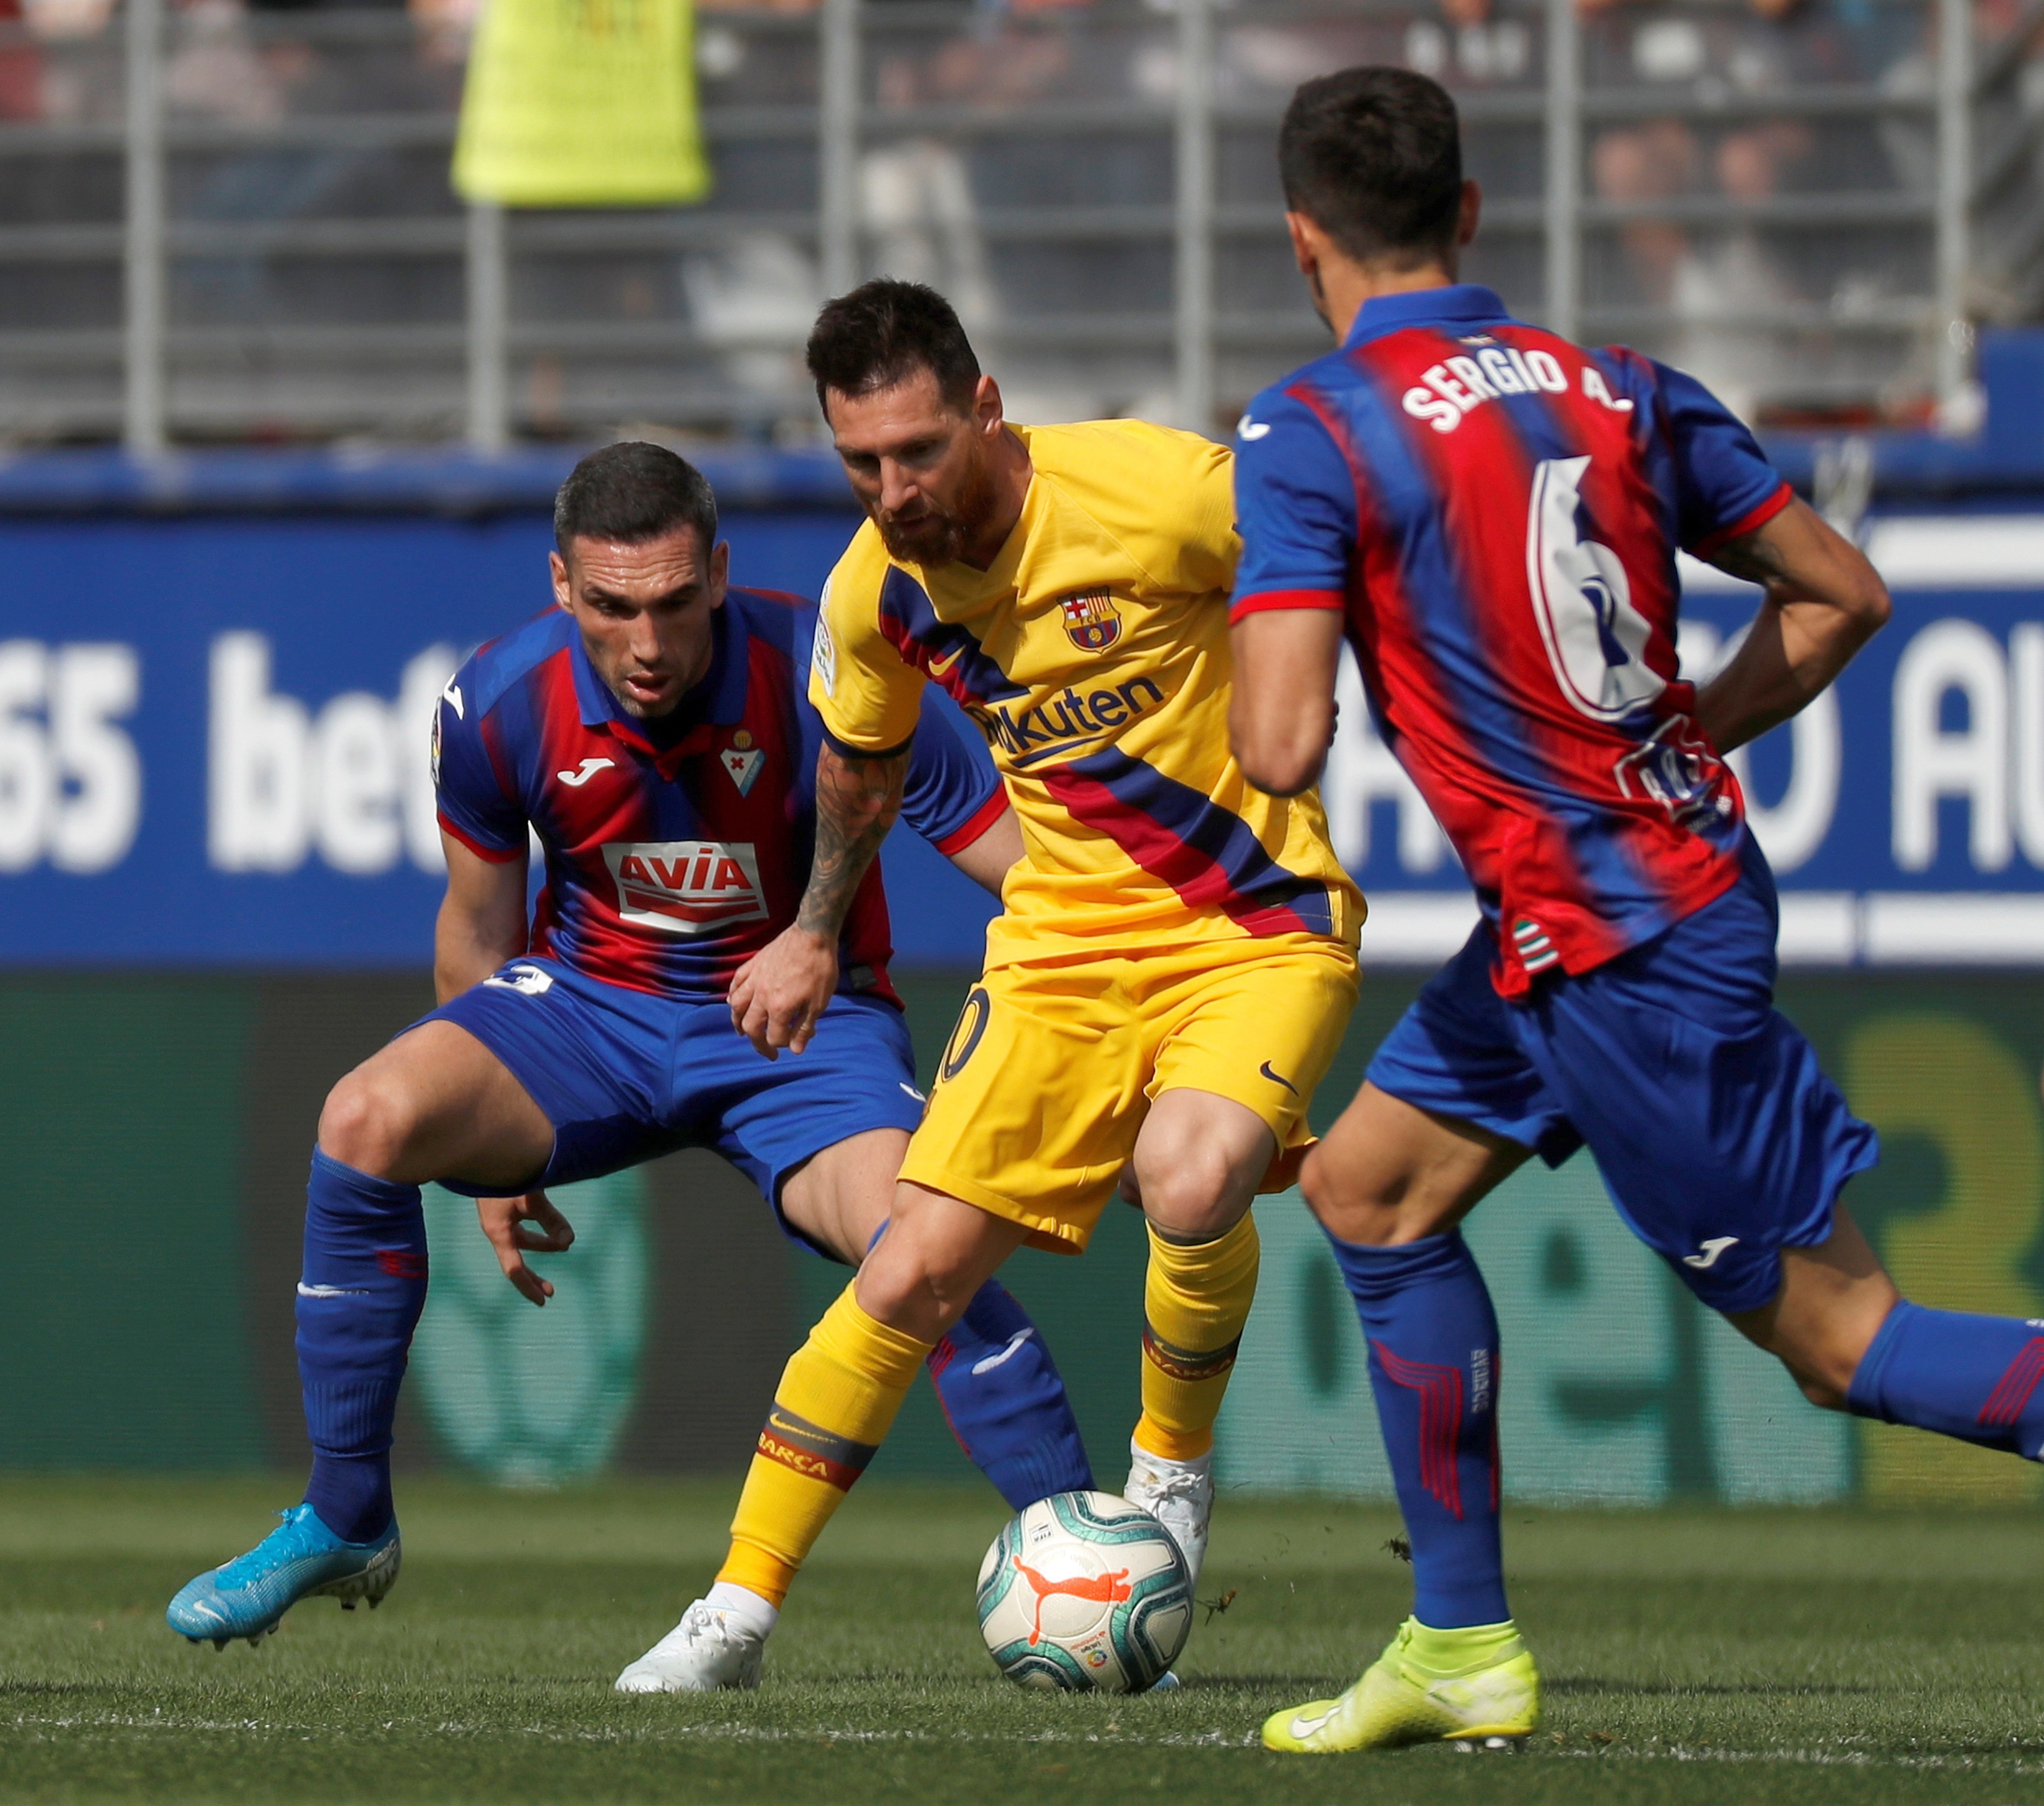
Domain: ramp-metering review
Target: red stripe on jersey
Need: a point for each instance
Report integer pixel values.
(969, 831)
(1750, 522)
(1270, 599)
(496, 855)
(1208, 855)
(1458, 786)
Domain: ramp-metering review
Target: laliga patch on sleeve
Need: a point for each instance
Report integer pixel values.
(824, 656)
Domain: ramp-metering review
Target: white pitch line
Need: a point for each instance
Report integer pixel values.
(2012, 1764)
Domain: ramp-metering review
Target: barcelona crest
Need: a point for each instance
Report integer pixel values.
(1092, 621)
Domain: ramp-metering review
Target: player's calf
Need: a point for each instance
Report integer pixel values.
(1854, 1344)
(361, 1289)
(1005, 1401)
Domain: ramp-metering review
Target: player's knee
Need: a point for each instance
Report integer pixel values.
(1823, 1369)
(1194, 1194)
(922, 1300)
(917, 1282)
(1821, 1393)
(366, 1122)
(1354, 1212)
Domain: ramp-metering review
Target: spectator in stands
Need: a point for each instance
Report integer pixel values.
(21, 67)
(1704, 278)
(228, 62)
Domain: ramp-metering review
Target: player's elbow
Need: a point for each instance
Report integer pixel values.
(1855, 588)
(1282, 775)
(1280, 758)
(1870, 605)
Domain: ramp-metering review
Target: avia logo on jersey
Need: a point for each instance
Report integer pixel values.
(1092, 621)
(687, 887)
(1065, 722)
(1456, 385)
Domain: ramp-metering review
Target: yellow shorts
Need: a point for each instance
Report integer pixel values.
(1051, 1068)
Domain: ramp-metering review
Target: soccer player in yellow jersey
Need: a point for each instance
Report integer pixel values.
(1175, 962)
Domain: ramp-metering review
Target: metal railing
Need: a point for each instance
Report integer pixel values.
(221, 224)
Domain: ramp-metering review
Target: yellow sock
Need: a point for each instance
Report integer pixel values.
(1195, 1301)
(837, 1396)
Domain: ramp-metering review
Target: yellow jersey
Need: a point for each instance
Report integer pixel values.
(1093, 654)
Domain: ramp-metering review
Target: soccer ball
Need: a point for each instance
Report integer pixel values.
(1084, 1592)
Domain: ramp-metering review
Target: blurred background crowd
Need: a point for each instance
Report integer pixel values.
(1810, 203)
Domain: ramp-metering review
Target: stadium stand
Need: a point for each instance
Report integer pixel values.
(228, 220)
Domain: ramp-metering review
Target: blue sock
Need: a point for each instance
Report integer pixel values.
(1432, 1338)
(1974, 1378)
(359, 1301)
(1005, 1403)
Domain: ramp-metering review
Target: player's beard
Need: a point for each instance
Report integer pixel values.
(941, 535)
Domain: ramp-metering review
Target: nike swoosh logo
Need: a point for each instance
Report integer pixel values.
(1709, 1258)
(1006, 1354)
(1303, 1727)
(574, 780)
(1277, 1078)
(306, 1291)
(452, 694)
(1253, 429)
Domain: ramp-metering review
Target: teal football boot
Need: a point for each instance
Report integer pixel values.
(300, 1559)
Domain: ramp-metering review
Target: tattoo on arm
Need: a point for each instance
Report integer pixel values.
(1751, 558)
(857, 801)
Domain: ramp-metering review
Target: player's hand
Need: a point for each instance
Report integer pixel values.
(504, 1220)
(780, 993)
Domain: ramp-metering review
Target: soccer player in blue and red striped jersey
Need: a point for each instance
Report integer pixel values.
(653, 731)
(1490, 515)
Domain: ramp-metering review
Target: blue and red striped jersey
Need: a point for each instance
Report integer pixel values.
(1497, 511)
(675, 850)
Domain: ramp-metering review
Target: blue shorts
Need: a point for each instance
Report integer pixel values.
(1720, 1138)
(623, 1075)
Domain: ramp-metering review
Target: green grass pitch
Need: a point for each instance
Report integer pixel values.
(1769, 1657)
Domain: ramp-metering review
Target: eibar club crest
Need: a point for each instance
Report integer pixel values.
(1092, 621)
(741, 760)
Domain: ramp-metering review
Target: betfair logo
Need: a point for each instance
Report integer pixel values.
(1065, 722)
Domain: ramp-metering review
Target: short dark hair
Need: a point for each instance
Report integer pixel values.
(882, 333)
(632, 492)
(1374, 157)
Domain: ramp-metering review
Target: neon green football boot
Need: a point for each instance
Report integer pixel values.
(1476, 1686)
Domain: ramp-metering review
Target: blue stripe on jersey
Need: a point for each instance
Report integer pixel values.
(942, 650)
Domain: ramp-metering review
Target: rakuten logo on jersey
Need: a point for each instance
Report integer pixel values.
(687, 887)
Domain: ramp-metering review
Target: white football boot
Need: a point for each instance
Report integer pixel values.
(1179, 1494)
(714, 1646)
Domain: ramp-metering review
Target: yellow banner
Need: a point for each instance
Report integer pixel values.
(581, 103)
